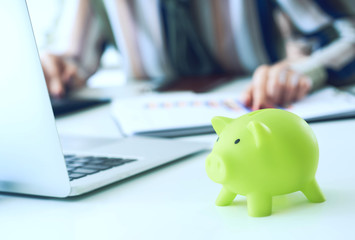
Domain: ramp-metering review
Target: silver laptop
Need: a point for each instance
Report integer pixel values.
(31, 156)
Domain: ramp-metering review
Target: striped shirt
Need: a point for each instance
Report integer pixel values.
(177, 38)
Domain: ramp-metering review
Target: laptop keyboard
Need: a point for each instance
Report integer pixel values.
(81, 166)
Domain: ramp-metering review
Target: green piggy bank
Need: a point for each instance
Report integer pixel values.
(263, 154)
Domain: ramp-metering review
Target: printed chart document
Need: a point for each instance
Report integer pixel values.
(172, 115)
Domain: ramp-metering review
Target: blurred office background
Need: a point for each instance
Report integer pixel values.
(53, 18)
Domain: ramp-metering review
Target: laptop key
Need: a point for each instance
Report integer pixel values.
(70, 169)
(76, 175)
(85, 171)
(96, 162)
(80, 161)
(83, 159)
(76, 164)
(69, 157)
(129, 160)
(114, 162)
(97, 167)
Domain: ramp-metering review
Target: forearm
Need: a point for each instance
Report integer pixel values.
(332, 62)
(87, 39)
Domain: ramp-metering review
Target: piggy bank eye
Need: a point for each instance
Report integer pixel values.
(237, 141)
(217, 139)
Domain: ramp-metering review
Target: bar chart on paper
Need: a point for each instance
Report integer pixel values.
(172, 115)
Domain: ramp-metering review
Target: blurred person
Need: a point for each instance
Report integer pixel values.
(290, 47)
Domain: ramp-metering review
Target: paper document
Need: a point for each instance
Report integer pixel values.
(171, 115)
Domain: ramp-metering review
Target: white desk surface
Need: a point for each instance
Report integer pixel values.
(176, 201)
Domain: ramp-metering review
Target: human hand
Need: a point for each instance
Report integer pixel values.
(60, 74)
(275, 85)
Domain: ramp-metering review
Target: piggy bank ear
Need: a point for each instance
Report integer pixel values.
(259, 130)
(219, 123)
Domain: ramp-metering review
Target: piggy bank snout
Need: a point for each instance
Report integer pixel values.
(215, 168)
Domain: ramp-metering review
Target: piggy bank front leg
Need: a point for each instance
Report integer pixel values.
(313, 192)
(225, 197)
(259, 204)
